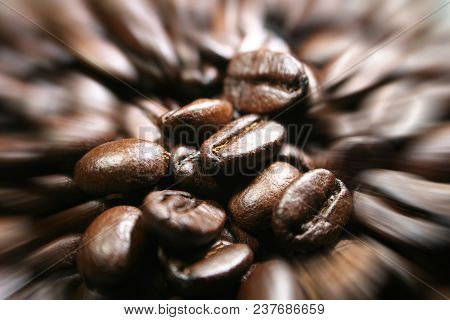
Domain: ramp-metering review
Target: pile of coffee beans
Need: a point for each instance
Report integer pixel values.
(229, 150)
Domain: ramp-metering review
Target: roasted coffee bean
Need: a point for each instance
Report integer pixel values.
(252, 207)
(271, 280)
(153, 108)
(430, 199)
(242, 144)
(137, 125)
(312, 211)
(214, 271)
(180, 220)
(111, 247)
(356, 269)
(264, 81)
(189, 175)
(232, 233)
(396, 225)
(193, 122)
(428, 155)
(291, 154)
(56, 255)
(121, 165)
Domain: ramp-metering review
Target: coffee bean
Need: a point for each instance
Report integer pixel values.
(428, 155)
(232, 233)
(189, 175)
(242, 144)
(137, 125)
(252, 207)
(111, 247)
(56, 255)
(121, 165)
(271, 280)
(291, 154)
(216, 270)
(264, 81)
(400, 227)
(197, 119)
(430, 199)
(312, 211)
(180, 220)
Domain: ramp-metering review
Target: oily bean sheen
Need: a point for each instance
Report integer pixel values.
(312, 211)
(197, 118)
(252, 208)
(121, 165)
(264, 81)
(111, 247)
(271, 280)
(218, 269)
(180, 220)
(187, 172)
(245, 142)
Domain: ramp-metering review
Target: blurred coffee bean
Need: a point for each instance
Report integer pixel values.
(312, 211)
(137, 125)
(271, 280)
(121, 165)
(428, 155)
(189, 175)
(138, 26)
(232, 233)
(264, 81)
(41, 195)
(242, 144)
(153, 108)
(75, 134)
(111, 247)
(74, 219)
(180, 220)
(357, 269)
(293, 155)
(398, 227)
(16, 233)
(56, 255)
(252, 207)
(54, 287)
(348, 156)
(85, 41)
(212, 272)
(194, 122)
(432, 199)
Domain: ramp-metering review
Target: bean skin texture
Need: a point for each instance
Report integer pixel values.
(122, 165)
(111, 247)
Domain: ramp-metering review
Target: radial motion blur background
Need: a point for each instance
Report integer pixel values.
(77, 73)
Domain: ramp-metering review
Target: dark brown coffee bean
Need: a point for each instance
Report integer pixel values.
(355, 269)
(396, 225)
(312, 211)
(180, 220)
(291, 154)
(197, 119)
(189, 175)
(245, 142)
(56, 255)
(218, 269)
(252, 207)
(431, 199)
(76, 134)
(137, 125)
(121, 165)
(111, 247)
(271, 280)
(428, 155)
(232, 233)
(153, 108)
(264, 81)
